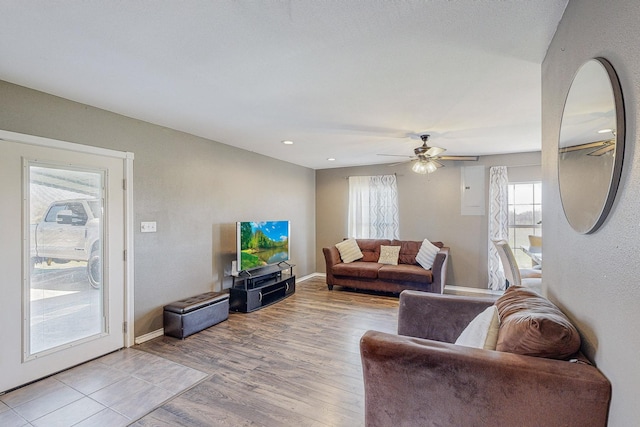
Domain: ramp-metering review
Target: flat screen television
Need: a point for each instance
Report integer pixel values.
(262, 243)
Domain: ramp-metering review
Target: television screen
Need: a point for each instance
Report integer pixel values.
(262, 243)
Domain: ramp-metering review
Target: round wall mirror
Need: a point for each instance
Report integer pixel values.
(591, 145)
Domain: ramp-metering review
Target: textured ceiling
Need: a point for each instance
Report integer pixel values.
(342, 79)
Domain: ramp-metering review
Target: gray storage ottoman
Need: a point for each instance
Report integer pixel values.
(191, 315)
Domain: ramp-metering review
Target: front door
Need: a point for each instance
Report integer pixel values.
(62, 248)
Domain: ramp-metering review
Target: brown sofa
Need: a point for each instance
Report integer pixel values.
(420, 378)
(367, 273)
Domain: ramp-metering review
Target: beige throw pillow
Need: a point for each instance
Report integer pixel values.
(482, 332)
(427, 254)
(389, 255)
(349, 250)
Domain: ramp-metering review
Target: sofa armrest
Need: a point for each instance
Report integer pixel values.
(331, 258)
(412, 381)
(437, 317)
(439, 270)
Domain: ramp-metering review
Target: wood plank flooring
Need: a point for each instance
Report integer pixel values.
(294, 363)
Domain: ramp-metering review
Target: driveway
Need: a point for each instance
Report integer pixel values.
(64, 307)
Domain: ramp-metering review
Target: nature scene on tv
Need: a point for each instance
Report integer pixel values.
(263, 243)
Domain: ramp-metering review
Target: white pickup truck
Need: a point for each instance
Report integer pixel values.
(69, 231)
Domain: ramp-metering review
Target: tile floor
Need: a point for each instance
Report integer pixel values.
(114, 390)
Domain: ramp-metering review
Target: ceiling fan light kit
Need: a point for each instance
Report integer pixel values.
(424, 166)
(419, 167)
(431, 166)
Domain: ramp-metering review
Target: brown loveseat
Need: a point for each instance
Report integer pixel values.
(420, 378)
(367, 273)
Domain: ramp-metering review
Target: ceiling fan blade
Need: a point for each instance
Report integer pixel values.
(437, 163)
(459, 158)
(399, 163)
(434, 151)
(585, 146)
(602, 151)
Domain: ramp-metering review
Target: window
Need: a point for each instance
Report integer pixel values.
(525, 217)
(373, 207)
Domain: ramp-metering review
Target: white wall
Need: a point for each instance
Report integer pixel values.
(194, 188)
(595, 278)
(429, 207)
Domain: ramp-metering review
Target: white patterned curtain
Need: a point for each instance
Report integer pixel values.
(498, 222)
(373, 207)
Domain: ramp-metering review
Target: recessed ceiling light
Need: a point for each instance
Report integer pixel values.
(605, 130)
(331, 159)
(287, 142)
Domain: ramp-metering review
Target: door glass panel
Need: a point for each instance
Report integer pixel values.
(65, 296)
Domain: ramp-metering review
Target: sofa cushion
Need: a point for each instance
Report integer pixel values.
(427, 254)
(482, 331)
(405, 273)
(409, 249)
(371, 248)
(349, 250)
(359, 269)
(531, 325)
(389, 255)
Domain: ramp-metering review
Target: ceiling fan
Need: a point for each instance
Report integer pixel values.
(427, 159)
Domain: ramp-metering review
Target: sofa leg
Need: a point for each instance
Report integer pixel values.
(330, 287)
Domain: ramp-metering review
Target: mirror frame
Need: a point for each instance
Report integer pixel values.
(616, 169)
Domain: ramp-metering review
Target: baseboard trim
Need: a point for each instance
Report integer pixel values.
(310, 276)
(451, 288)
(481, 291)
(149, 336)
(160, 332)
(447, 287)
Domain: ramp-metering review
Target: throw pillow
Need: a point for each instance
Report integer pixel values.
(349, 250)
(531, 325)
(427, 254)
(389, 255)
(482, 332)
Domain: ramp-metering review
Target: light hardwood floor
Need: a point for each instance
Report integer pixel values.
(294, 363)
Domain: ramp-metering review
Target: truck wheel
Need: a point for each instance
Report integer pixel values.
(94, 270)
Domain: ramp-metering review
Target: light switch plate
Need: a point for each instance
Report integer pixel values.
(148, 227)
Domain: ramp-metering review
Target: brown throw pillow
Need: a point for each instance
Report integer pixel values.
(531, 325)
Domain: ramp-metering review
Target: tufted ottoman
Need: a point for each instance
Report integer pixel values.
(188, 316)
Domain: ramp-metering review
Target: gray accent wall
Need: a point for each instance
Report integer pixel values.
(195, 189)
(429, 207)
(595, 278)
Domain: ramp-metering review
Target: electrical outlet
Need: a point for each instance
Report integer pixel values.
(148, 227)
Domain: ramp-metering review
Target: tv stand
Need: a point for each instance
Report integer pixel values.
(252, 290)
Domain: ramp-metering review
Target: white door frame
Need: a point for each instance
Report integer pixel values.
(127, 157)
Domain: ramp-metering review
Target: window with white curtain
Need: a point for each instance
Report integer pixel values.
(373, 207)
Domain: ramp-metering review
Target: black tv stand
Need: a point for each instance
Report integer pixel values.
(252, 290)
